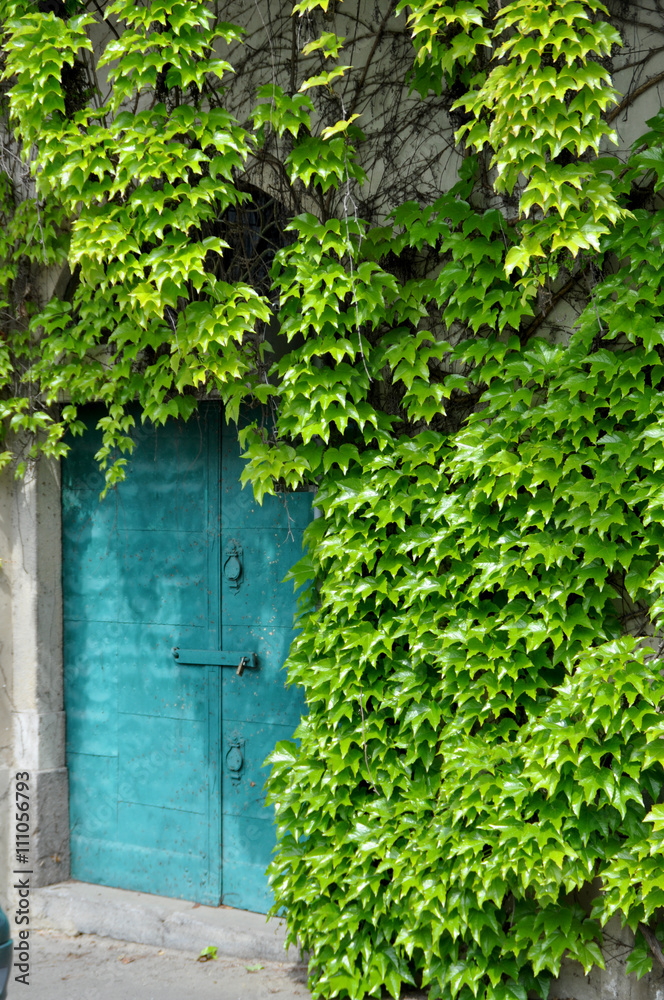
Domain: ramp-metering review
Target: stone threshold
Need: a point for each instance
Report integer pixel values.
(83, 908)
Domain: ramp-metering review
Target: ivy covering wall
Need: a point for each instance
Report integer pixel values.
(480, 647)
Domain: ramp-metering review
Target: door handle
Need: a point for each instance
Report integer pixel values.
(232, 566)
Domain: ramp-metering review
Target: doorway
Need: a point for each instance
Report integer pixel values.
(176, 626)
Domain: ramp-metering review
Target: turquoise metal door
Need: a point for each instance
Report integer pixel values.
(165, 749)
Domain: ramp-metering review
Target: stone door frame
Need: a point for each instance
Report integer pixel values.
(32, 718)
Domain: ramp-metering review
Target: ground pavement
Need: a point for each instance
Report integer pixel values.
(87, 967)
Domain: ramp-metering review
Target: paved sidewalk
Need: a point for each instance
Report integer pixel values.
(91, 942)
(86, 967)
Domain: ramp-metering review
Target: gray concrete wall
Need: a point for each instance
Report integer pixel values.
(612, 982)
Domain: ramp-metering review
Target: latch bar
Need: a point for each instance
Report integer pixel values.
(213, 657)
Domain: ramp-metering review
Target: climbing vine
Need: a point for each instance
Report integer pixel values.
(468, 364)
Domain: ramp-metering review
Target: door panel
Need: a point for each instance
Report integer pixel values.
(149, 683)
(267, 555)
(178, 560)
(91, 684)
(93, 783)
(261, 695)
(90, 557)
(166, 759)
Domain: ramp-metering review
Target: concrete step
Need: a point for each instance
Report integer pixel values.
(82, 908)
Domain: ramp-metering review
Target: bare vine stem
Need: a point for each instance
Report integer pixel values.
(537, 322)
(105, 20)
(364, 744)
(377, 40)
(625, 103)
(348, 197)
(652, 943)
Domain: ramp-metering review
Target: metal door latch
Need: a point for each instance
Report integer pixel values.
(215, 658)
